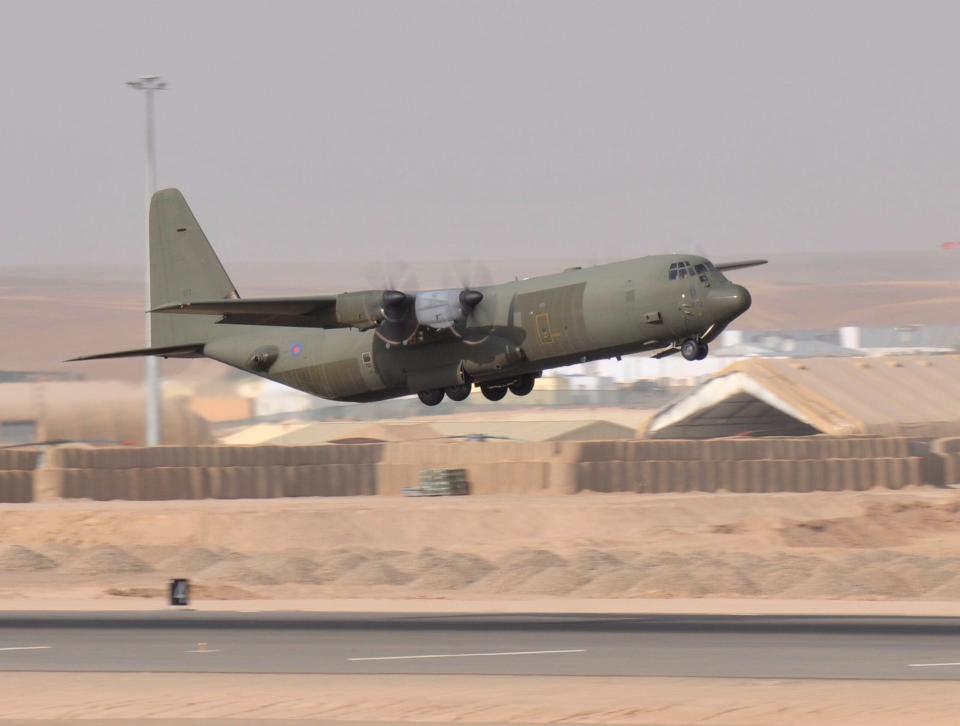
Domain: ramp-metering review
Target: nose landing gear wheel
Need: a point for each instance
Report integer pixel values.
(431, 398)
(523, 385)
(704, 350)
(458, 393)
(493, 394)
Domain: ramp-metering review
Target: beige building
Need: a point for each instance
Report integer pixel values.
(90, 411)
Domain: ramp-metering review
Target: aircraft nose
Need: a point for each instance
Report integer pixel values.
(729, 302)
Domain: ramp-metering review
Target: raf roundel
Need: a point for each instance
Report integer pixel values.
(296, 349)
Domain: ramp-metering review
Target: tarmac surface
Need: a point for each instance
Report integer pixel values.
(185, 641)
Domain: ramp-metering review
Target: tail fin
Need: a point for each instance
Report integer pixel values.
(183, 267)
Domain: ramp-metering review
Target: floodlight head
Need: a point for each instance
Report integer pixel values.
(148, 83)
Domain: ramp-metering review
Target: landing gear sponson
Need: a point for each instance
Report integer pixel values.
(520, 386)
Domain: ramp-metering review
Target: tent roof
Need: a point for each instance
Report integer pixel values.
(890, 395)
(570, 430)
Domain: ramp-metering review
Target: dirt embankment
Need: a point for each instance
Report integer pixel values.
(883, 545)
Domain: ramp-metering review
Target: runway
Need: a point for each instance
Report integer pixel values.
(568, 645)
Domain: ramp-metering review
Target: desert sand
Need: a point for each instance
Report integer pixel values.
(616, 548)
(852, 553)
(164, 698)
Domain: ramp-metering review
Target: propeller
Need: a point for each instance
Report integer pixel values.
(399, 322)
(469, 274)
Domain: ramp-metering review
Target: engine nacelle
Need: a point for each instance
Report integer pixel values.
(438, 309)
(359, 309)
(441, 309)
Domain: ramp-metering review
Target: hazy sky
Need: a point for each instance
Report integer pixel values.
(311, 130)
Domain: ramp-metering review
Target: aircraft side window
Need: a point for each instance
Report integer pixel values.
(701, 269)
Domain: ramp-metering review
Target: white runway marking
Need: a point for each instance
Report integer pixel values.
(931, 665)
(28, 647)
(471, 655)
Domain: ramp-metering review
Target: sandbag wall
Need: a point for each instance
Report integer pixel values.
(16, 474)
(208, 472)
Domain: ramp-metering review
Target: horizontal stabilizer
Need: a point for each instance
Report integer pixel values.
(190, 350)
(726, 266)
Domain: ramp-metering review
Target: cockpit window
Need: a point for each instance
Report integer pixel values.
(682, 272)
(673, 271)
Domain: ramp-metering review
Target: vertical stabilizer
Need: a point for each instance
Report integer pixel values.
(183, 268)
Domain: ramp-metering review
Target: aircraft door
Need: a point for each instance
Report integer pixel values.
(691, 296)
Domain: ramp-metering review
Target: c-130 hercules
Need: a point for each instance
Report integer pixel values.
(378, 344)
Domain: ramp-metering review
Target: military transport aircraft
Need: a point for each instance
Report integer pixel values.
(377, 344)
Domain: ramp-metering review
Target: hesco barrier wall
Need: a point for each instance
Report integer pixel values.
(943, 464)
(507, 467)
(208, 472)
(16, 474)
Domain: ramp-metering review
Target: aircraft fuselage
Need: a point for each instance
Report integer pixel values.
(520, 328)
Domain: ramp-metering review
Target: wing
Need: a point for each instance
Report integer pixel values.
(726, 266)
(298, 312)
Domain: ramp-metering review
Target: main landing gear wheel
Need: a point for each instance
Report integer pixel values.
(694, 349)
(493, 394)
(458, 393)
(431, 398)
(523, 385)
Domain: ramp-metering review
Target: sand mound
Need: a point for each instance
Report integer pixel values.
(439, 570)
(238, 571)
(779, 573)
(551, 581)
(948, 589)
(515, 569)
(592, 562)
(106, 561)
(725, 581)
(881, 525)
(818, 545)
(15, 558)
(825, 580)
(614, 582)
(284, 568)
(668, 581)
(192, 560)
(338, 563)
(374, 572)
(524, 558)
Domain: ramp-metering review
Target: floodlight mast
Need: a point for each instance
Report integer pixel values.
(154, 423)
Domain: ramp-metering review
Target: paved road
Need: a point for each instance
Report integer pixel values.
(586, 645)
